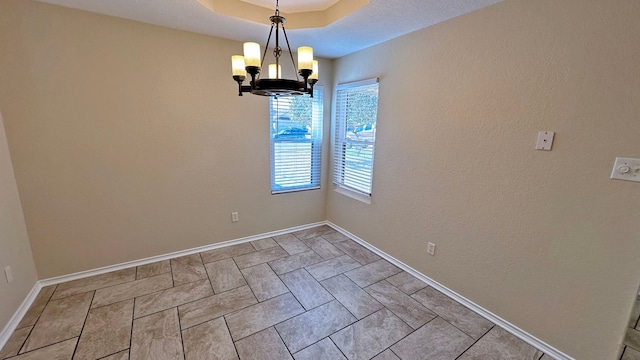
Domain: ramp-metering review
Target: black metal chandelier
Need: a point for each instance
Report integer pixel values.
(274, 85)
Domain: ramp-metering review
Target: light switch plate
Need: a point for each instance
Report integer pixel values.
(626, 169)
(8, 273)
(545, 140)
(431, 249)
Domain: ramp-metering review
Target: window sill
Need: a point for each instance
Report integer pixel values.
(352, 194)
(288, 191)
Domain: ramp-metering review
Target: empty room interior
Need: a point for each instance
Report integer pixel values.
(498, 218)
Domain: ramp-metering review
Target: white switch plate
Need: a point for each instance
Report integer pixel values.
(8, 273)
(431, 248)
(234, 216)
(545, 140)
(626, 169)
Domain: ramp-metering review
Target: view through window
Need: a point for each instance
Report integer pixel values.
(296, 142)
(354, 147)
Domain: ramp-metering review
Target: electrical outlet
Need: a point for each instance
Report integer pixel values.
(431, 249)
(8, 273)
(234, 216)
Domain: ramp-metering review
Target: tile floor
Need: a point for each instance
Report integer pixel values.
(631, 346)
(311, 294)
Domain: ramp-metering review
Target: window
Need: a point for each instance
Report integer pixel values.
(296, 142)
(355, 137)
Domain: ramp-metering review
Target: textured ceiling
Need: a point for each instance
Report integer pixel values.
(371, 24)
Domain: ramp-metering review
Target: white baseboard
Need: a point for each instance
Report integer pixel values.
(516, 331)
(13, 323)
(149, 260)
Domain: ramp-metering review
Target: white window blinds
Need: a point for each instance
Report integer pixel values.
(296, 142)
(355, 137)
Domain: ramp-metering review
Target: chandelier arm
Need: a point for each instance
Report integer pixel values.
(295, 68)
(264, 54)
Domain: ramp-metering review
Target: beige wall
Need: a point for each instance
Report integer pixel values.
(129, 140)
(14, 242)
(543, 239)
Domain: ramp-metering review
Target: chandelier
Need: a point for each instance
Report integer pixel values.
(274, 85)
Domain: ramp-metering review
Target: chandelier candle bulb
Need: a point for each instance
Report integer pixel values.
(238, 66)
(305, 58)
(272, 72)
(252, 54)
(314, 75)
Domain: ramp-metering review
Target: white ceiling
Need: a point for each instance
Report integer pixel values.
(374, 23)
(294, 6)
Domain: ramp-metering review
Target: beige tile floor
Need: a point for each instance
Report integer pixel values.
(311, 294)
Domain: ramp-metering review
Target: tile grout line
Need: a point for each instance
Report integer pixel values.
(233, 312)
(184, 352)
(101, 288)
(359, 320)
(423, 325)
(624, 350)
(173, 282)
(245, 280)
(394, 314)
(440, 316)
(338, 300)
(475, 342)
(406, 336)
(131, 331)
(294, 295)
(86, 316)
(336, 345)
(208, 277)
(637, 322)
(326, 337)
(159, 291)
(274, 325)
(393, 352)
(37, 320)
(106, 356)
(229, 332)
(42, 347)
(23, 341)
(306, 310)
(280, 336)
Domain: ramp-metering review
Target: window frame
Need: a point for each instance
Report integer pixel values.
(316, 131)
(341, 142)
